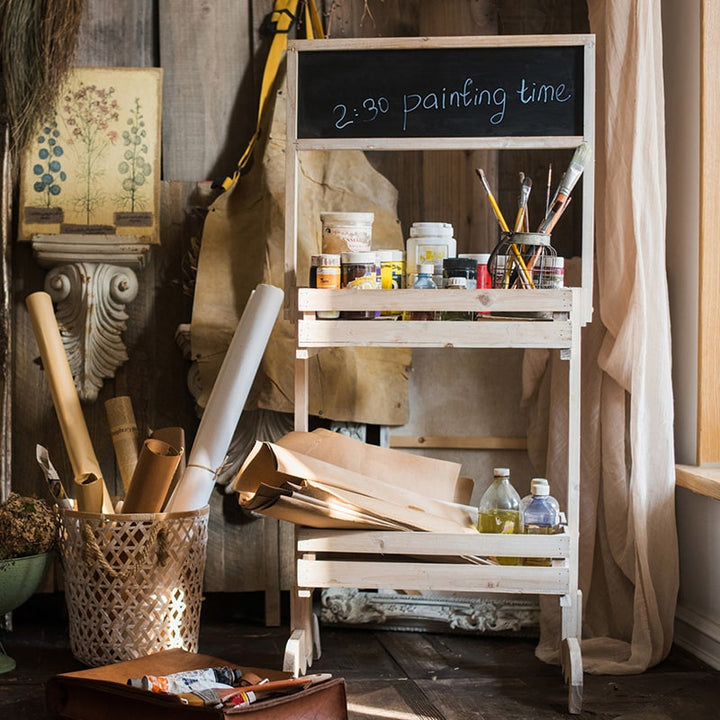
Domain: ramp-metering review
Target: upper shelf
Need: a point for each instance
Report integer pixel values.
(442, 93)
(516, 318)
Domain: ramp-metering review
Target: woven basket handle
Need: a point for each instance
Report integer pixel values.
(92, 554)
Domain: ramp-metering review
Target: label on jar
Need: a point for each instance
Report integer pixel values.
(328, 277)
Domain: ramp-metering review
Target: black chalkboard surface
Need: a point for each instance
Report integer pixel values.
(441, 92)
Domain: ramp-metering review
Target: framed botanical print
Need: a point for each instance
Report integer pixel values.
(93, 167)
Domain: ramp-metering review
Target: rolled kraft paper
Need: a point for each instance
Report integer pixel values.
(227, 399)
(152, 477)
(174, 436)
(89, 493)
(64, 394)
(124, 432)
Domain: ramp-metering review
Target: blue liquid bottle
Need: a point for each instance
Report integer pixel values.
(424, 282)
(539, 515)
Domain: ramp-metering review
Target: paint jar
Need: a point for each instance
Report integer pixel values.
(346, 231)
(484, 280)
(550, 274)
(429, 242)
(358, 271)
(392, 269)
(325, 274)
(392, 274)
(460, 267)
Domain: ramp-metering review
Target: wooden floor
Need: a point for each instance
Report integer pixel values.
(390, 675)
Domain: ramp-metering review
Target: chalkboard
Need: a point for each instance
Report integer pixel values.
(441, 92)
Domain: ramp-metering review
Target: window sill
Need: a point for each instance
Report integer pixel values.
(701, 480)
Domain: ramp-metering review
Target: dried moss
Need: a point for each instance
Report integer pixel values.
(28, 526)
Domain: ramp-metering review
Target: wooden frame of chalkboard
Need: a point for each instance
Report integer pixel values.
(443, 93)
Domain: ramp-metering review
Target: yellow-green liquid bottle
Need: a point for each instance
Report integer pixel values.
(499, 510)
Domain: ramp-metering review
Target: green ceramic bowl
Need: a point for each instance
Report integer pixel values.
(19, 578)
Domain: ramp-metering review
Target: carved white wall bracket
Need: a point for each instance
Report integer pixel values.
(91, 280)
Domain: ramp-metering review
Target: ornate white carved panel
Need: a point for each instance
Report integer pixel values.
(397, 611)
(91, 280)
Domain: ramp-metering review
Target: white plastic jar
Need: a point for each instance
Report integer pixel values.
(429, 242)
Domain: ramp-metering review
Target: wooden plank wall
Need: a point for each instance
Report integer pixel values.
(212, 54)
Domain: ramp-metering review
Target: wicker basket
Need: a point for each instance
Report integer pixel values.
(133, 583)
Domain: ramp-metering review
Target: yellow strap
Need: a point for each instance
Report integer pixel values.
(313, 24)
(282, 19)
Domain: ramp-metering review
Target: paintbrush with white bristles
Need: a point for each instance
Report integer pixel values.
(568, 181)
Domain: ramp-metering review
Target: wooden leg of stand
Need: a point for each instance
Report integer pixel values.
(317, 646)
(299, 648)
(571, 655)
(293, 662)
(573, 673)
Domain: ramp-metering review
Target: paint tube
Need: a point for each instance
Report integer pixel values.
(189, 680)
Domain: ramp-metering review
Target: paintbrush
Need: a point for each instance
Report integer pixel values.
(492, 201)
(575, 169)
(522, 203)
(547, 189)
(526, 277)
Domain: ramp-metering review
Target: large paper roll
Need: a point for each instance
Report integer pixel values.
(227, 399)
(124, 432)
(64, 395)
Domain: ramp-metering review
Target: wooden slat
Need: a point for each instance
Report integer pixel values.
(419, 543)
(701, 480)
(498, 334)
(433, 576)
(440, 299)
(457, 443)
(447, 41)
(428, 143)
(708, 381)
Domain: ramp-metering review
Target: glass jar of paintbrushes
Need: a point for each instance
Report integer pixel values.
(522, 260)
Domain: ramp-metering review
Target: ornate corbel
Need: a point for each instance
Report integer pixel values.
(91, 279)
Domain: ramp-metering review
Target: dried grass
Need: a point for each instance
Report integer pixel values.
(37, 47)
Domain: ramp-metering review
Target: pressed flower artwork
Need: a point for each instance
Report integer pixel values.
(93, 168)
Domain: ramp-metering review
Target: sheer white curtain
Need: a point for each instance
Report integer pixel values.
(628, 543)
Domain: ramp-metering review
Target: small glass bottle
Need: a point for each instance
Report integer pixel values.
(456, 283)
(499, 510)
(424, 282)
(539, 515)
